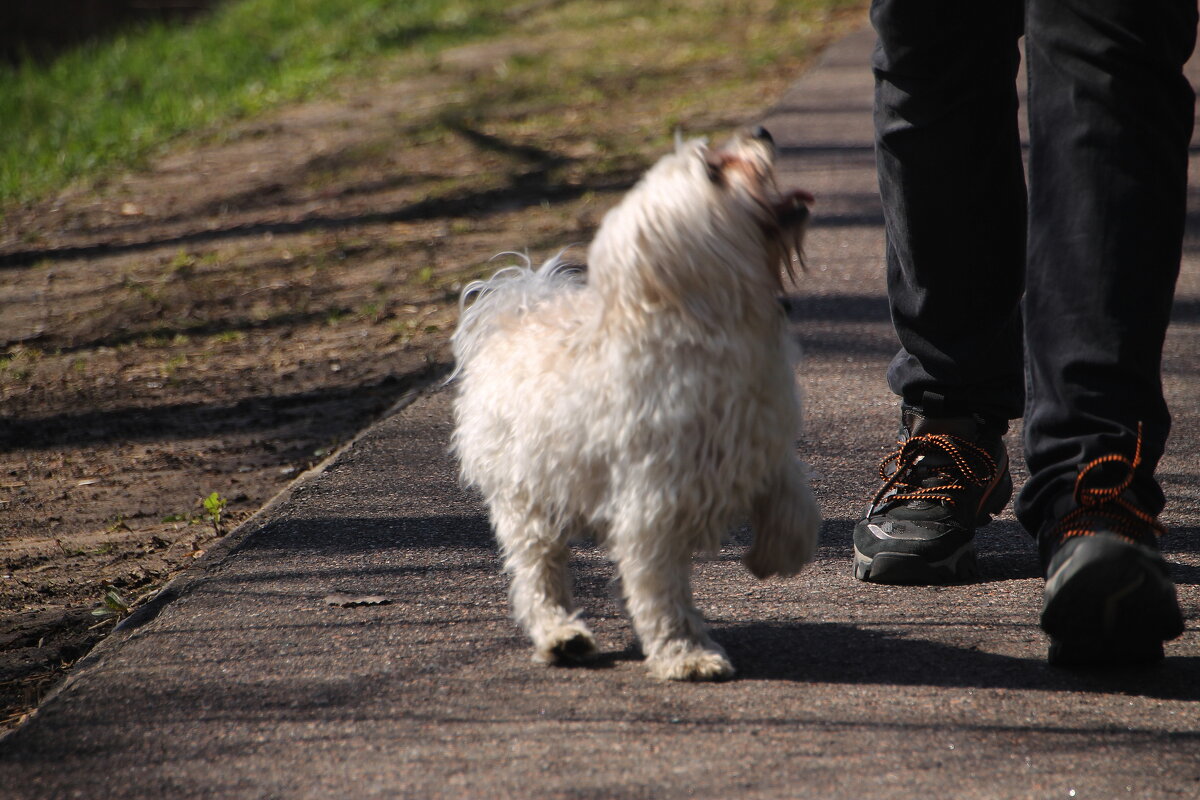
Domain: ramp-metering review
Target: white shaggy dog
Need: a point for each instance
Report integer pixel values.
(650, 403)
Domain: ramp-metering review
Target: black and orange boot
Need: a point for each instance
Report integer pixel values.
(1109, 597)
(948, 477)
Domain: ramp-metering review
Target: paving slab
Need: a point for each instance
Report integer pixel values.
(245, 681)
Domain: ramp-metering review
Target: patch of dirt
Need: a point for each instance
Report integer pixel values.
(223, 319)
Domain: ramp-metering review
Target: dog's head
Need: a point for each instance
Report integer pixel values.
(703, 223)
(745, 169)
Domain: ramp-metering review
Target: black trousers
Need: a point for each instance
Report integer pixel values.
(1050, 301)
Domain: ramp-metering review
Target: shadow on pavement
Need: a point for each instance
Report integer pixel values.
(847, 654)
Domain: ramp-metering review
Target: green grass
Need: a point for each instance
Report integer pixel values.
(114, 103)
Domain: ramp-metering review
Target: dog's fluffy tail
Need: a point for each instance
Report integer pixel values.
(511, 291)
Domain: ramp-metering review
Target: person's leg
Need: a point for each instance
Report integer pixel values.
(1110, 124)
(953, 191)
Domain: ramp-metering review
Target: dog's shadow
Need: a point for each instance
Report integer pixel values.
(844, 654)
(606, 659)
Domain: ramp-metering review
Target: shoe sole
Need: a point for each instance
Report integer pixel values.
(1109, 603)
(912, 569)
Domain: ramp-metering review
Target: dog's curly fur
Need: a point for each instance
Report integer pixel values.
(649, 401)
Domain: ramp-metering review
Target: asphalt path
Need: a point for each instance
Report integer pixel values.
(245, 681)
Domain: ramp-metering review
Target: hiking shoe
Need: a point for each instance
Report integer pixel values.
(948, 477)
(1109, 597)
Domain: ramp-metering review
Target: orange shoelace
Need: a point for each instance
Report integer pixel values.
(971, 463)
(1103, 507)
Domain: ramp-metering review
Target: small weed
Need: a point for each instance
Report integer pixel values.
(18, 364)
(112, 605)
(182, 262)
(214, 510)
(76, 551)
(404, 331)
(141, 289)
(173, 364)
(19, 374)
(371, 311)
(229, 337)
(118, 524)
(154, 341)
(322, 452)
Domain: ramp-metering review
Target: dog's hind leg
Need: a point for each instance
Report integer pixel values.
(535, 558)
(658, 595)
(786, 520)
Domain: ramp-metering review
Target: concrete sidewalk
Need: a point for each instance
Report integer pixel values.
(247, 683)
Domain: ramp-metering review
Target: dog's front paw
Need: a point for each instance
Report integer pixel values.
(569, 643)
(787, 523)
(691, 664)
